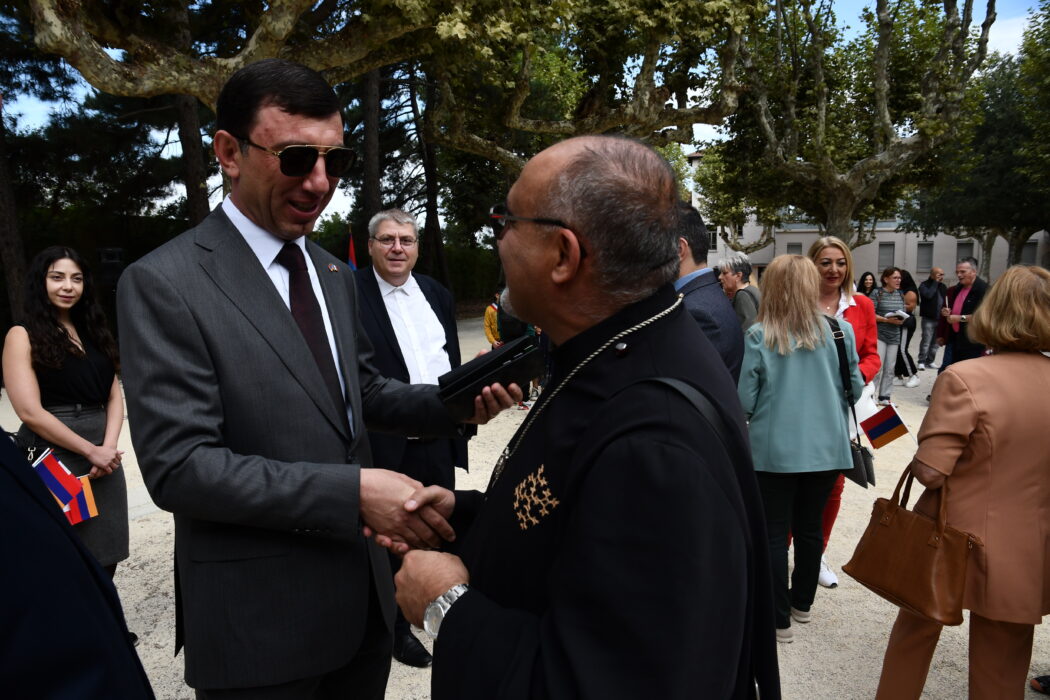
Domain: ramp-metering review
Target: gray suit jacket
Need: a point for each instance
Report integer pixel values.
(236, 435)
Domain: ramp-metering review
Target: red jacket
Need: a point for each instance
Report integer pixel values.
(862, 318)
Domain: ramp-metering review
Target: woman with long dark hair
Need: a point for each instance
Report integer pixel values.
(905, 370)
(60, 367)
(866, 284)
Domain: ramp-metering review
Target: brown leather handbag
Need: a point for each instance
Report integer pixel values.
(912, 560)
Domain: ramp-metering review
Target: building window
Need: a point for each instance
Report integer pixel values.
(794, 249)
(924, 259)
(1028, 253)
(887, 255)
(963, 250)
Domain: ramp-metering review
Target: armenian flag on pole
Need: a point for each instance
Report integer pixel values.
(73, 494)
(884, 427)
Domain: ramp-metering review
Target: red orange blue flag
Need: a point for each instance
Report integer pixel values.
(884, 427)
(82, 507)
(58, 479)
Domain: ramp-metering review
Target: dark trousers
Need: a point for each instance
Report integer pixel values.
(363, 677)
(431, 463)
(794, 503)
(905, 366)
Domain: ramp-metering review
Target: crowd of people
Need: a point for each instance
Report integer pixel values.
(286, 409)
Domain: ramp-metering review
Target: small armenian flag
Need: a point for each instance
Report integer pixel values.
(82, 507)
(884, 427)
(58, 479)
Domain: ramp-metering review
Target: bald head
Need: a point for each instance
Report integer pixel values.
(936, 274)
(620, 197)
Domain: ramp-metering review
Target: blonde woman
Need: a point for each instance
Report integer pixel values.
(984, 437)
(837, 298)
(791, 390)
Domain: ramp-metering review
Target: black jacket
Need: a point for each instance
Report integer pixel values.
(592, 554)
(64, 634)
(931, 299)
(711, 308)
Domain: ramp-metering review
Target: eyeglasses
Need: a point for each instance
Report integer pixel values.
(299, 160)
(389, 241)
(499, 216)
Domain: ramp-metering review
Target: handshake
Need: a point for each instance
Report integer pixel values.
(401, 514)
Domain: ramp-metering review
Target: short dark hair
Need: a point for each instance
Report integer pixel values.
(969, 260)
(691, 227)
(293, 87)
(620, 196)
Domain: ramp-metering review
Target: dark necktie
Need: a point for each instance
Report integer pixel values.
(307, 314)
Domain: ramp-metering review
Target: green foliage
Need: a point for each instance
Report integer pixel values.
(1035, 90)
(982, 181)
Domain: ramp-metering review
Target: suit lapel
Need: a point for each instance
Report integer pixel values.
(374, 304)
(234, 269)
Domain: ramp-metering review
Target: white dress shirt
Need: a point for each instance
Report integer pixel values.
(419, 333)
(266, 246)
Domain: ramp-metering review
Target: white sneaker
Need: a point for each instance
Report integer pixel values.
(922, 367)
(913, 381)
(800, 616)
(785, 636)
(898, 381)
(827, 577)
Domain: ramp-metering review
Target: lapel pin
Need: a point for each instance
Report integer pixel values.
(332, 267)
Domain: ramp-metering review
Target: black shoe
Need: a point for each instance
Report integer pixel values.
(410, 651)
(134, 639)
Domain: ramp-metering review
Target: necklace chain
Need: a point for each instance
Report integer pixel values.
(546, 398)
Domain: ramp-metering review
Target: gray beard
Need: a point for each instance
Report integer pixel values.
(504, 302)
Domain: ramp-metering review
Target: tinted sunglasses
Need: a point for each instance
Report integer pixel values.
(299, 160)
(499, 216)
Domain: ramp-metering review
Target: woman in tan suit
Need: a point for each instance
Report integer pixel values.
(985, 434)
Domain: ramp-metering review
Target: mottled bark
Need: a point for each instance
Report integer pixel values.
(79, 31)
(12, 252)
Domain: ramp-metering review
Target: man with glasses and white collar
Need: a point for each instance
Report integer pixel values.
(411, 320)
(249, 383)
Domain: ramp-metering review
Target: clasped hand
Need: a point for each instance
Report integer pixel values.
(403, 515)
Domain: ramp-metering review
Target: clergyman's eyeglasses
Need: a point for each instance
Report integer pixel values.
(299, 160)
(499, 216)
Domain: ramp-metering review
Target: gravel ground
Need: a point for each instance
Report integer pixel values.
(837, 655)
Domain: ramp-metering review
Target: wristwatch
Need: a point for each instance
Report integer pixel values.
(438, 607)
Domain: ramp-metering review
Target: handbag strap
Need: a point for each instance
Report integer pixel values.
(847, 384)
(906, 480)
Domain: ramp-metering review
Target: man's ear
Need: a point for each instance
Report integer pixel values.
(569, 250)
(228, 150)
(684, 252)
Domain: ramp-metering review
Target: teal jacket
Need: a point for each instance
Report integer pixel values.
(795, 404)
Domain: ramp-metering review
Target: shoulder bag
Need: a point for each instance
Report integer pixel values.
(912, 560)
(863, 471)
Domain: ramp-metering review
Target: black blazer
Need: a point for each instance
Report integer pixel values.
(710, 307)
(64, 629)
(963, 347)
(388, 449)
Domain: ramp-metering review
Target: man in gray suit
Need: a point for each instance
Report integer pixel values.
(249, 422)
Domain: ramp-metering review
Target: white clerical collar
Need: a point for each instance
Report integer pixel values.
(385, 288)
(264, 244)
